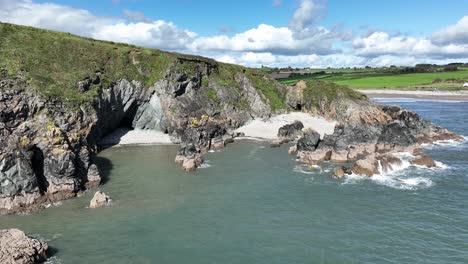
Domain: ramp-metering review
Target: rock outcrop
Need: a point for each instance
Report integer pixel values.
(367, 136)
(100, 199)
(290, 131)
(17, 248)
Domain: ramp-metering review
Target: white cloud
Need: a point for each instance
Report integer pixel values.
(382, 43)
(454, 34)
(304, 16)
(303, 43)
(159, 33)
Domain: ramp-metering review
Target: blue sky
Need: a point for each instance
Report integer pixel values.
(303, 33)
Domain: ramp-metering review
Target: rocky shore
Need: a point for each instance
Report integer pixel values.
(48, 142)
(17, 248)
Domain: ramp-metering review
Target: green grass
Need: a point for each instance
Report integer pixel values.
(402, 80)
(320, 94)
(377, 79)
(54, 62)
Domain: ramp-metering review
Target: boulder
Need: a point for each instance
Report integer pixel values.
(309, 141)
(340, 172)
(100, 199)
(17, 248)
(424, 161)
(192, 163)
(290, 131)
(314, 156)
(367, 166)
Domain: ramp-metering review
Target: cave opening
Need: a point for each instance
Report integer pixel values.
(37, 164)
(299, 107)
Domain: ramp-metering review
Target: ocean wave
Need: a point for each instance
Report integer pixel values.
(205, 165)
(301, 169)
(400, 177)
(446, 143)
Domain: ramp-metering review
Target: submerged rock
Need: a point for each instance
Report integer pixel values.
(17, 248)
(100, 199)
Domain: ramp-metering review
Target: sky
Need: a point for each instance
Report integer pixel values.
(276, 33)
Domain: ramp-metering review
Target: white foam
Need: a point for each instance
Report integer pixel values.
(399, 176)
(205, 165)
(301, 169)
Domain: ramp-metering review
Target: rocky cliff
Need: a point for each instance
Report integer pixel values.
(60, 94)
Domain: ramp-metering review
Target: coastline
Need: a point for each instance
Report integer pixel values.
(461, 96)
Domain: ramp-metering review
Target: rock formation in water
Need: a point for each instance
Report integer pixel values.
(17, 248)
(100, 199)
(368, 133)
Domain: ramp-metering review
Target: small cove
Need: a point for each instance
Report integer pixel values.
(255, 204)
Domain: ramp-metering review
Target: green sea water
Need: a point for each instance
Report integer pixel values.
(255, 204)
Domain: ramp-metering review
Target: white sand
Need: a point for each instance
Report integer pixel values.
(123, 136)
(268, 129)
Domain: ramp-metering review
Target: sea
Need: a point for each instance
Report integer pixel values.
(251, 203)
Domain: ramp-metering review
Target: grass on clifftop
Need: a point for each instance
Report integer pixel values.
(320, 94)
(54, 62)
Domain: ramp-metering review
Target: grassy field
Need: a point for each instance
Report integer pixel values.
(369, 79)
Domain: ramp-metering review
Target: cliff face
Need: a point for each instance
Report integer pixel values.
(48, 141)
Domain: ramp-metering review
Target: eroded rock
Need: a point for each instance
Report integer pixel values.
(100, 199)
(17, 248)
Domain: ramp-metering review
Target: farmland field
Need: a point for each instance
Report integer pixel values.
(389, 79)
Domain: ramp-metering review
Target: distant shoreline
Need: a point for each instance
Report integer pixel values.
(423, 95)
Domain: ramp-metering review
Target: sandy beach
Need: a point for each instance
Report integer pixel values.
(124, 136)
(268, 129)
(423, 95)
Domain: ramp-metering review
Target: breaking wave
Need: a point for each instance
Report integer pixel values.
(403, 177)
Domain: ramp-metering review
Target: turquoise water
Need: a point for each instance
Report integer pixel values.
(255, 204)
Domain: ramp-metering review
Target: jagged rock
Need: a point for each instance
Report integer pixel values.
(309, 141)
(340, 172)
(93, 176)
(17, 248)
(367, 166)
(424, 161)
(290, 131)
(100, 199)
(314, 156)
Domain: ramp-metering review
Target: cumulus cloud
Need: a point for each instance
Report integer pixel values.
(305, 15)
(159, 33)
(301, 43)
(382, 43)
(454, 34)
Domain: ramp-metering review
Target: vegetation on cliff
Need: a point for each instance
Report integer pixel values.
(54, 63)
(320, 94)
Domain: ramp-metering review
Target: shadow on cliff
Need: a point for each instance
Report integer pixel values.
(105, 168)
